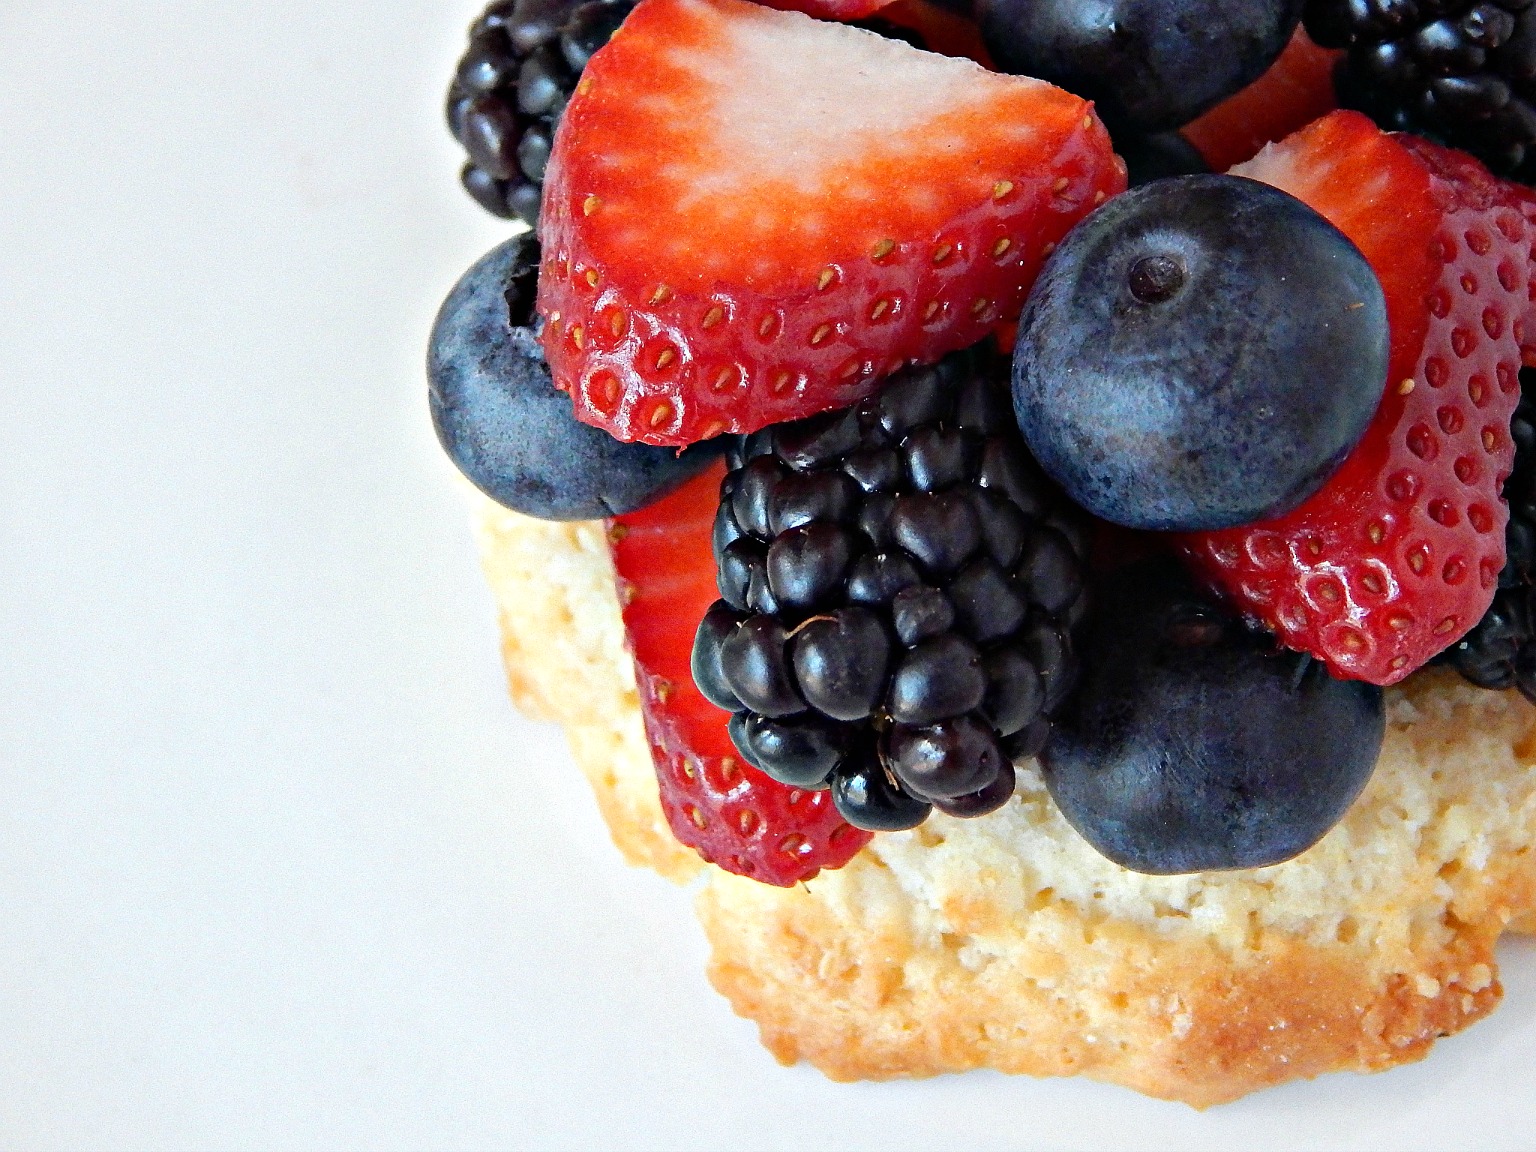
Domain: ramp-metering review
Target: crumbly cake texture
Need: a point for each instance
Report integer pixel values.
(1007, 942)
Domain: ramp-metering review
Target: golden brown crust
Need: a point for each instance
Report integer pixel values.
(1006, 943)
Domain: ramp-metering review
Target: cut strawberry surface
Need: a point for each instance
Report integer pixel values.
(727, 811)
(751, 216)
(1400, 552)
(1297, 89)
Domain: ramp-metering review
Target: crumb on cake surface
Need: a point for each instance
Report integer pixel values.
(1008, 942)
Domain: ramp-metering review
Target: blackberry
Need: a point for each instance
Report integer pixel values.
(899, 583)
(1462, 72)
(511, 86)
(1500, 652)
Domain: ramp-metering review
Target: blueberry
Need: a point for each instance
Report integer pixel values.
(1158, 156)
(1199, 353)
(1149, 65)
(1193, 744)
(501, 420)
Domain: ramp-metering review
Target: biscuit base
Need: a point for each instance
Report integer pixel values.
(1006, 942)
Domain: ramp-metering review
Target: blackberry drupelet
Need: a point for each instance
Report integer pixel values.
(1462, 72)
(1501, 651)
(511, 86)
(899, 584)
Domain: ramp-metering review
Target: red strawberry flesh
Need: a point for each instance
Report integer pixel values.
(727, 811)
(1400, 552)
(751, 216)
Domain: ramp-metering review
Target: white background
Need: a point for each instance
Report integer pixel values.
(279, 865)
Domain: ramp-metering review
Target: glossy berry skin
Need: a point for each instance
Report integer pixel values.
(501, 421)
(510, 88)
(1399, 554)
(943, 645)
(1462, 72)
(727, 811)
(1194, 744)
(1149, 65)
(742, 280)
(1201, 352)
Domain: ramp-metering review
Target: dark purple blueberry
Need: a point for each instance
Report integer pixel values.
(1148, 65)
(841, 662)
(1157, 157)
(937, 680)
(755, 663)
(1194, 744)
(503, 423)
(952, 758)
(1200, 353)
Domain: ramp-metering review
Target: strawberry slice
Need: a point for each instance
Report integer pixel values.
(1400, 552)
(728, 812)
(751, 216)
(1297, 89)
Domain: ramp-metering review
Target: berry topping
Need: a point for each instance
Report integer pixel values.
(1150, 65)
(1194, 744)
(511, 86)
(727, 811)
(751, 216)
(1297, 89)
(1500, 652)
(1201, 352)
(1399, 554)
(899, 582)
(501, 421)
(1460, 71)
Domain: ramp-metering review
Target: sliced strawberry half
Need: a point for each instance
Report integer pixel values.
(1400, 552)
(727, 811)
(1296, 90)
(752, 216)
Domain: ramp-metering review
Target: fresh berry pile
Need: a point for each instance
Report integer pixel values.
(1160, 487)
(898, 586)
(1460, 71)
